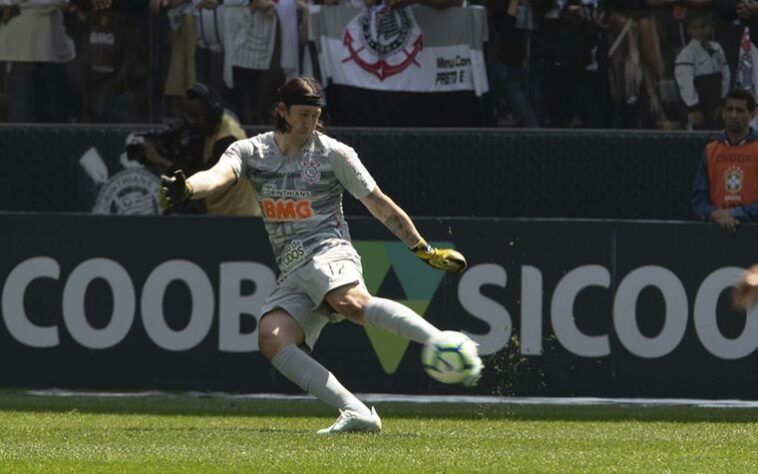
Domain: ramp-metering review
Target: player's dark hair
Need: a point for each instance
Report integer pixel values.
(742, 94)
(301, 90)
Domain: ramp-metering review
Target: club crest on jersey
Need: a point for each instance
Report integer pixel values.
(733, 179)
(310, 172)
(382, 41)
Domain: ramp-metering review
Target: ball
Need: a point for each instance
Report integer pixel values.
(452, 357)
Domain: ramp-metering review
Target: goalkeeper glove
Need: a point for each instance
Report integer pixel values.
(444, 259)
(174, 190)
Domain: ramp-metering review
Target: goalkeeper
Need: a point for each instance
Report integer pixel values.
(299, 174)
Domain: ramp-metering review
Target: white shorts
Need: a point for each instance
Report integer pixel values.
(302, 292)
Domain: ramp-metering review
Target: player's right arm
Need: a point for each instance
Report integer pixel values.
(397, 221)
(176, 188)
(211, 181)
(226, 172)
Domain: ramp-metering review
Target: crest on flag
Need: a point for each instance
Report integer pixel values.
(382, 41)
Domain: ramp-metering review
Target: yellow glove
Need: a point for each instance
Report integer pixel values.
(174, 190)
(444, 259)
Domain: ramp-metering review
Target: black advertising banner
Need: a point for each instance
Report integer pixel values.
(592, 308)
(76, 289)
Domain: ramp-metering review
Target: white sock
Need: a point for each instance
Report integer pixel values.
(315, 379)
(398, 319)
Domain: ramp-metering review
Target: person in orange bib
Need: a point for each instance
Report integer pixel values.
(726, 183)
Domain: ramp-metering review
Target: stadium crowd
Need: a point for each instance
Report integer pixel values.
(653, 64)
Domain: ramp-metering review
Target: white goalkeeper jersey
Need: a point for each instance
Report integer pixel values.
(301, 196)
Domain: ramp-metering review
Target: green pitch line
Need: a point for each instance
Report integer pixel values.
(180, 434)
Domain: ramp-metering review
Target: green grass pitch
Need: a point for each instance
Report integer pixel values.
(177, 433)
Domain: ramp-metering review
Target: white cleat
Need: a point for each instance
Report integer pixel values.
(352, 422)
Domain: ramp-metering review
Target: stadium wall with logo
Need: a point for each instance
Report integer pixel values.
(586, 308)
(442, 172)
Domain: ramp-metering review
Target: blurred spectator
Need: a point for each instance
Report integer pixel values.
(34, 48)
(737, 35)
(511, 30)
(114, 78)
(181, 69)
(209, 54)
(702, 75)
(726, 184)
(745, 69)
(563, 62)
(737, 22)
(430, 3)
(356, 3)
(287, 14)
(395, 4)
(253, 56)
(642, 39)
(162, 26)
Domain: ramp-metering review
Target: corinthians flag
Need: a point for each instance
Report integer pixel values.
(414, 49)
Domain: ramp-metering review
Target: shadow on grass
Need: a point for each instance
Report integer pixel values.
(183, 404)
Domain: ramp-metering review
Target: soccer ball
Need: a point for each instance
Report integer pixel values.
(451, 357)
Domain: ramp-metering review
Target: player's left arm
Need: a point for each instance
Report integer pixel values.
(177, 188)
(392, 216)
(384, 209)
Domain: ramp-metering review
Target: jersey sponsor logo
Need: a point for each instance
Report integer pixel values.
(271, 190)
(310, 172)
(287, 209)
(129, 192)
(108, 39)
(733, 179)
(292, 255)
(383, 42)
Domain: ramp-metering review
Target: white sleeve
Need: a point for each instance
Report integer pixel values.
(234, 156)
(684, 72)
(351, 173)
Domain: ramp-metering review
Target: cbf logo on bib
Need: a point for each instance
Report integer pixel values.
(382, 41)
(733, 179)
